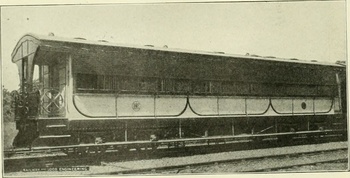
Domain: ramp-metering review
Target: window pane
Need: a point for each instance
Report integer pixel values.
(62, 76)
(168, 85)
(182, 85)
(263, 89)
(329, 90)
(36, 74)
(215, 87)
(148, 85)
(235, 88)
(100, 82)
(128, 84)
(86, 81)
(109, 82)
(45, 69)
(201, 87)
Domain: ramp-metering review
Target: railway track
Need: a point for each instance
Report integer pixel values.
(266, 164)
(94, 154)
(268, 159)
(331, 156)
(281, 158)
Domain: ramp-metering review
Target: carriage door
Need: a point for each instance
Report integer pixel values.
(53, 93)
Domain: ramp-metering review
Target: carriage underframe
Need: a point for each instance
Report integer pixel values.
(61, 131)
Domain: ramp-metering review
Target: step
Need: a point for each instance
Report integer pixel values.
(56, 126)
(54, 136)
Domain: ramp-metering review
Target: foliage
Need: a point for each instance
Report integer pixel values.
(8, 112)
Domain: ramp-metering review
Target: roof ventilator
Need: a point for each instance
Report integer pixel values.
(79, 38)
(219, 52)
(341, 63)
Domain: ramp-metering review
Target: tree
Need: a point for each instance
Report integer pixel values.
(8, 113)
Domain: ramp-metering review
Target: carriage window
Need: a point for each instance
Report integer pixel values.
(100, 82)
(36, 74)
(37, 78)
(62, 76)
(329, 90)
(45, 73)
(24, 69)
(201, 87)
(148, 85)
(235, 88)
(107, 83)
(54, 78)
(167, 85)
(86, 81)
(45, 69)
(269, 89)
(301, 90)
(111, 83)
(182, 86)
(263, 89)
(128, 84)
(215, 87)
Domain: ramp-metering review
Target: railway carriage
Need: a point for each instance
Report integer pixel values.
(76, 91)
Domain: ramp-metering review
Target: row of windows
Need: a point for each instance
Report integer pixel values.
(109, 83)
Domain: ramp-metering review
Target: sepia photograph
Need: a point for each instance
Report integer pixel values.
(174, 88)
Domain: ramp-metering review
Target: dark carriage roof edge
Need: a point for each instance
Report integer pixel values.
(40, 40)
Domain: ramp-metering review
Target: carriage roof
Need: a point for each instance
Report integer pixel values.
(30, 43)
